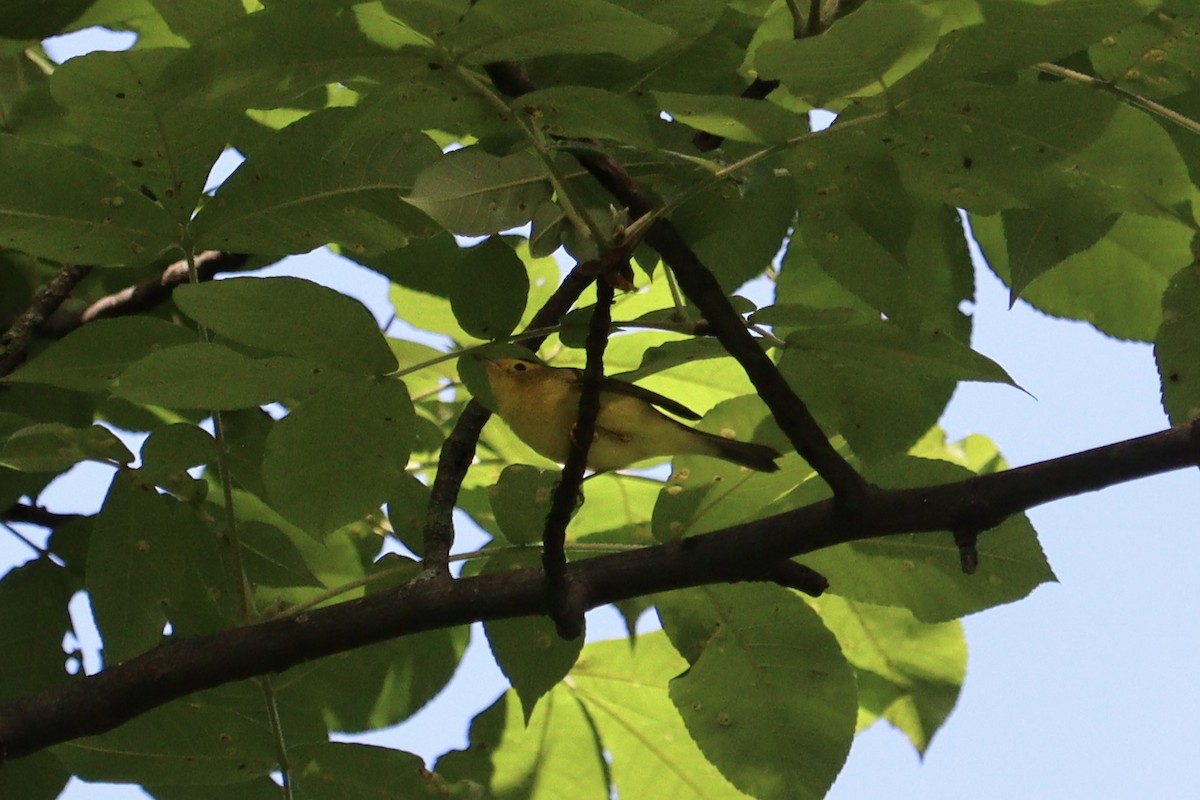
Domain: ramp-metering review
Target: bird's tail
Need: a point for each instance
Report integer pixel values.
(747, 454)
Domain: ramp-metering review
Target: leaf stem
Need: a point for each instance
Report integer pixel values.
(285, 767)
(229, 540)
(1144, 103)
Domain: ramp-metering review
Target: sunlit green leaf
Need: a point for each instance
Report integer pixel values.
(908, 672)
(528, 649)
(861, 55)
(746, 642)
(623, 689)
(737, 118)
(554, 753)
(922, 571)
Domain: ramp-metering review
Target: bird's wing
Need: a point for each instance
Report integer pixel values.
(617, 386)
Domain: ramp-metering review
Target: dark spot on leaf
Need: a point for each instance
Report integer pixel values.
(1173, 377)
(434, 67)
(967, 162)
(965, 107)
(147, 192)
(137, 162)
(119, 95)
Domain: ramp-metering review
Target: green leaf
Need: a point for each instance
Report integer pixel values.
(750, 641)
(365, 164)
(337, 770)
(211, 376)
(392, 680)
(407, 506)
(946, 145)
(261, 788)
(54, 447)
(862, 55)
(1116, 285)
(922, 571)
(33, 624)
(36, 777)
(1042, 239)
(195, 21)
(275, 56)
(492, 267)
(623, 689)
(1153, 58)
(737, 118)
(173, 449)
(877, 384)
(89, 358)
(62, 206)
(552, 754)
(291, 316)
(473, 193)
(491, 32)
(119, 104)
(271, 558)
(585, 112)
(1002, 35)
(132, 567)
(707, 494)
(908, 672)
(521, 499)
(31, 19)
(337, 456)
(736, 231)
(528, 650)
(1177, 347)
(201, 740)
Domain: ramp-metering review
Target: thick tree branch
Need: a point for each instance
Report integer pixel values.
(459, 448)
(702, 289)
(99, 703)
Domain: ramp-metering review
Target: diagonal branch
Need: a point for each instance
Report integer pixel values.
(14, 344)
(98, 703)
(702, 289)
(459, 448)
(567, 618)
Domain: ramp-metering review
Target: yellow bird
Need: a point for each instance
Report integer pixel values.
(541, 405)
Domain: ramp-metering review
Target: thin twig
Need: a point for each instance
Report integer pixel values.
(567, 618)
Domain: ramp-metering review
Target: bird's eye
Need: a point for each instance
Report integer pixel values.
(519, 367)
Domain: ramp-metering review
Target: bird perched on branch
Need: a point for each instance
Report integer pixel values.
(541, 405)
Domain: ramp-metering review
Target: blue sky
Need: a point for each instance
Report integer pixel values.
(1084, 689)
